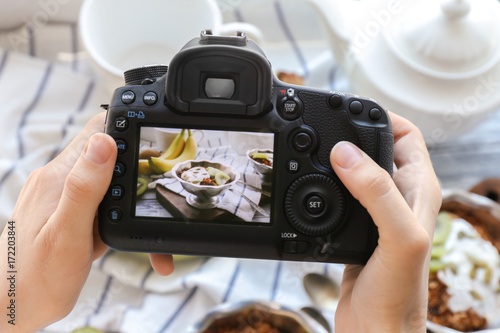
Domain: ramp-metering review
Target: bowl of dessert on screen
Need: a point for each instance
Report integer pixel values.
(262, 160)
(206, 181)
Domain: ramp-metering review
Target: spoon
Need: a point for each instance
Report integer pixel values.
(316, 315)
(322, 290)
(253, 204)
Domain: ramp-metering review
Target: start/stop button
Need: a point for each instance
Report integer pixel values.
(290, 107)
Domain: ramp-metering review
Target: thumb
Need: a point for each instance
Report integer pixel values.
(85, 186)
(375, 190)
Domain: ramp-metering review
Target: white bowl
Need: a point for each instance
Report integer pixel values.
(263, 169)
(231, 314)
(205, 196)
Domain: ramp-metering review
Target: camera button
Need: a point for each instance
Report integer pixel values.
(302, 141)
(290, 107)
(293, 166)
(335, 101)
(115, 215)
(150, 98)
(117, 192)
(121, 124)
(128, 97)
(356, 107)
(147, 81)
(121, 145)
(294, 247)
(315, 205)
(119, 169)
(375, 114)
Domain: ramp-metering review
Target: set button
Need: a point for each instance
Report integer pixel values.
(315, 204)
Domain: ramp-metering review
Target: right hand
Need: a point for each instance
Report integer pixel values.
(389, 294)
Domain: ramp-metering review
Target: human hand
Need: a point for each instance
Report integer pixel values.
(389, 294)
(55, 225)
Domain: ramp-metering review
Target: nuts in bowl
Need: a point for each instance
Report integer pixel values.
(205, 181)
(262, 160)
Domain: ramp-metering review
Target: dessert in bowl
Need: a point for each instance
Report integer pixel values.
(262, 160)
(206, 181)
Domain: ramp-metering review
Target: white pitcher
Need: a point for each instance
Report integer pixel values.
(437, 63)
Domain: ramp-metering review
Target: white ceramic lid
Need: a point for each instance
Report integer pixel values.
(448, 39)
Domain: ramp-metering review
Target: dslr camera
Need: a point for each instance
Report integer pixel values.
(217, 157)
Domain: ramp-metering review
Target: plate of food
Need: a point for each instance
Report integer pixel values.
(464, 279)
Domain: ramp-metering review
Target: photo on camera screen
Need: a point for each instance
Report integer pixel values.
(204, 175)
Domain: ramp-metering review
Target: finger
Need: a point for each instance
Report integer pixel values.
(64, 162)
(415, 176)
(85, 186)
(163, 264)
(375, 190)
(409, 146)
(45, 185)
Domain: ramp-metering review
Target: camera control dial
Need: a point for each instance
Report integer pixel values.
(144, 75)
(315, 204)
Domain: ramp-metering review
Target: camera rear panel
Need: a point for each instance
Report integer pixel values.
(311, 216)
(243, 167)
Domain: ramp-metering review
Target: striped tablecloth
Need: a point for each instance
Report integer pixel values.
(48, 91)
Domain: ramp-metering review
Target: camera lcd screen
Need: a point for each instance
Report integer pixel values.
(204, 175)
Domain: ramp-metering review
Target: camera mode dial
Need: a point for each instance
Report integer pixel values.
(144, 75)
(315, 204)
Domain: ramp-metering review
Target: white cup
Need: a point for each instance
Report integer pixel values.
(124, 34)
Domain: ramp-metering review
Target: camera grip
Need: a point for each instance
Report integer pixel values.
(335, 124)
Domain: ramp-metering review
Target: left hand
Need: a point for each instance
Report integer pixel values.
(55, 220)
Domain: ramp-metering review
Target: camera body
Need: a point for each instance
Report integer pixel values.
(244, 167)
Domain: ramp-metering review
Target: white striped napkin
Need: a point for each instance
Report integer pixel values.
(48, 91)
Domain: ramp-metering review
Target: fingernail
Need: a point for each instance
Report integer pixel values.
(346, 155)
(97, 150)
